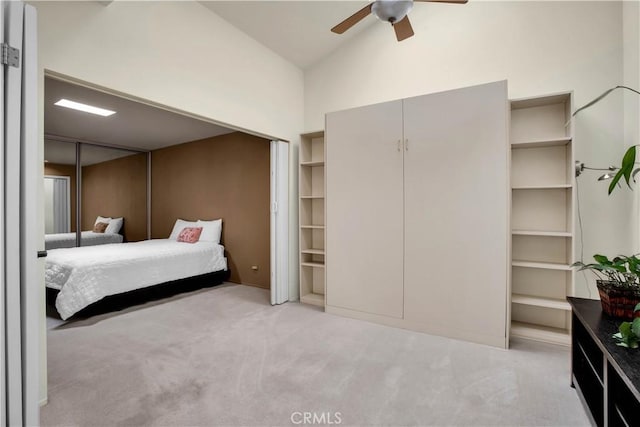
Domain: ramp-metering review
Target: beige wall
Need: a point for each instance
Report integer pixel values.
(540, 47)
(117, 188)
(223, 177)
(70, 171)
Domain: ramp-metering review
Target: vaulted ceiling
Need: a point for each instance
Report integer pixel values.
(299, 31)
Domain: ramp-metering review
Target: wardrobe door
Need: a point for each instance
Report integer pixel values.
(364, 204)
(456, 212)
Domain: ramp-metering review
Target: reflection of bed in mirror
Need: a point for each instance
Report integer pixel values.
(111, 181)
(89, 238)
(106, 231)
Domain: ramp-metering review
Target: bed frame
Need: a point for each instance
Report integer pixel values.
(135, 297)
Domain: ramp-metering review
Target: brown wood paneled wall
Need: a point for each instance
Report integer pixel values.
(117, 188)
(222, 177)
(55, 169)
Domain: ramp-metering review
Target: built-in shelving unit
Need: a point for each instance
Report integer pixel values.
(542, 212)
(312, 214)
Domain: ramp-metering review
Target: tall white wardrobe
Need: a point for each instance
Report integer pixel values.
(417, 213)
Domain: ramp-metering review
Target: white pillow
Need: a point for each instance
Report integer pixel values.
(106, 220)
(114, 226)
(211, 230)
(178, 226)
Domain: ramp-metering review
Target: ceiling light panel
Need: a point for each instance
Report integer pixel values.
(84, 107)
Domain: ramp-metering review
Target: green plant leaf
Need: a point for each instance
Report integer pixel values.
(601, 259)
(635, 327)
(619, 268)
(626, 169)
(615, 180)
(625, 329)
(637, 307)
(628, 162)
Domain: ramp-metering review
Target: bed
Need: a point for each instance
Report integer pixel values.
(86, 275)
(106, 230)
(88, 238)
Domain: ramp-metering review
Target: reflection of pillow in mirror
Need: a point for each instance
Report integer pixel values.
(103, 219)
(114, 226)
(100, 227)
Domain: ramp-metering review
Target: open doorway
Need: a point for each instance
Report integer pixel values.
(149, 168)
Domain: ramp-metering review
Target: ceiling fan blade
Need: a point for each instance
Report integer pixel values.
(403, 29)
(443, 1)
(352, 20)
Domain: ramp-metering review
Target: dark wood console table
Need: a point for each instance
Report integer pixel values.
(606, 376)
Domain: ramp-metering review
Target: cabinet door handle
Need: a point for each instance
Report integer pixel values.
(406, 145)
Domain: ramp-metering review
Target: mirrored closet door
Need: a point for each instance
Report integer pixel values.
(106, 198)
(114, 188)
(60, 204)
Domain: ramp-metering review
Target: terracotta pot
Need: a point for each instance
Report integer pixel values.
(618, 302)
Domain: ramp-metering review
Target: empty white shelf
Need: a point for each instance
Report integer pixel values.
(315, 299)
(552, 142)
(541, 333)
(312, 264)
(541, 233)
(542, 187)
(313, 251)
(543, 265)
(540, 302)
(315, 163)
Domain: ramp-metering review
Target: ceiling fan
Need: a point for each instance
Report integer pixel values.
(392, 11)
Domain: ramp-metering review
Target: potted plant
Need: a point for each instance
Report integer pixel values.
(618, 284)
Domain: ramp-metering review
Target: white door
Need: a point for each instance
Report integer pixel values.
(364, 204)
(456, 212)
(279, 222)
(21, 286)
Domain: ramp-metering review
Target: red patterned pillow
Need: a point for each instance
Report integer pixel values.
(190, 234)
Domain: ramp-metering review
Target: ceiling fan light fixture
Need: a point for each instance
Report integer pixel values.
(391, 10)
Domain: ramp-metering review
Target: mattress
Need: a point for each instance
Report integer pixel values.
(85, 275)
(89, 238)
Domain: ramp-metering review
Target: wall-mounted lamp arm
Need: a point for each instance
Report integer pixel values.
(580, 167)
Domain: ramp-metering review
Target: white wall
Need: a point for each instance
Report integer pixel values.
(540, 47)
(631, 40)
(181, 55)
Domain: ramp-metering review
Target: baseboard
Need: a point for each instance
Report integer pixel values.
(446, 331)
(252, 285)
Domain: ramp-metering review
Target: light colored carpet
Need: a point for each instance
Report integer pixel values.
(224, 356)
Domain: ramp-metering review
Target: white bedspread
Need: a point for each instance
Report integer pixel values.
(89, 238)
(87, 274)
